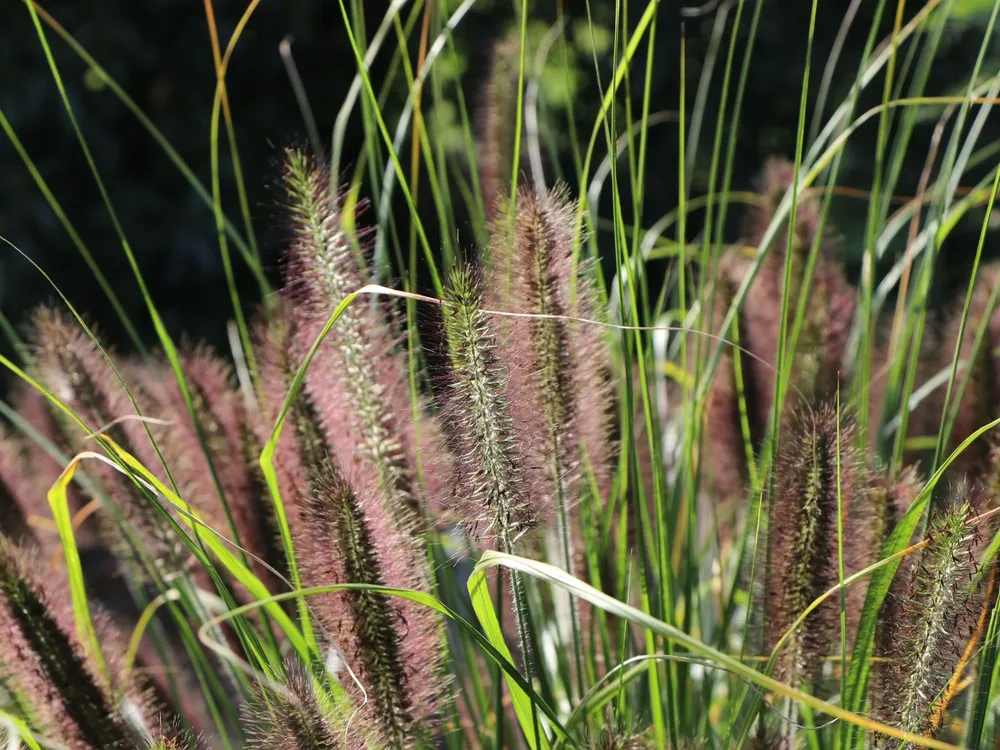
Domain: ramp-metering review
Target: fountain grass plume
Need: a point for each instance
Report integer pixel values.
(497, 127)
(392, 645)
(802, 548)
(359, 381)
(223, 421)
(61, 693)
(70, 365)
(558, 369)
(344, 533)
(499, 492)
(33, 407)
(817, 363)
(935, 618)
(298, 717)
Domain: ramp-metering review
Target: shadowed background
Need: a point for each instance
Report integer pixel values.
(160, 53)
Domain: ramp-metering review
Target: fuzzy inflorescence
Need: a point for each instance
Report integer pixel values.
(358, 381)
(63, 693)
(932, 622)
(557, 368)
(207, 456)
(803, 553)
(344, 533)
(70, 364)
(817, 361)
(299, 716)
(495, 485)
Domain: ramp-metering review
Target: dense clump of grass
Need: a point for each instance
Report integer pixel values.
(713, 468)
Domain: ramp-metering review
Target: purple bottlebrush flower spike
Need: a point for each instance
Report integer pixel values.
(65, 696)
(928, 631)
(223, 420)
(497, 485)
(392, 645)
(802, 549)
(344, 533)
(358, 381)
(558, 369)
(497, 127)
(818, 360)
(73, 369)
(298, 717)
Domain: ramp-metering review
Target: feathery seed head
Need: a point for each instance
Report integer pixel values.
(494, 484)
(391, 644)
(817, 362)
(20, 497)
(932, 621)
(299, 718)
(72, 367)
(557, 369)
(45, 666)
(359, 382)
(222, 419)
(302, 444)
(802, 557)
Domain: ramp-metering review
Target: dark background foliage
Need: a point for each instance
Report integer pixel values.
(159, 52)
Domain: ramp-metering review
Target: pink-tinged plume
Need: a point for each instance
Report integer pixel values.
(500, 492)
(298, 716)
(68, 698)
(343, 532)
(558, 381)
(219, 464)
(391, 644)
(820, 475)
(21, 498)
(358, 380)
(71, 366)
(818, 360)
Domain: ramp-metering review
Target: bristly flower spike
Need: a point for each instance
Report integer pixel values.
(392, 645)
(358, 382)
(64, 696)
(802, 546)
(298, 717)
(344, 533)
(932, 624)
(71, 366)
(817, 363)
(216, 480)
(496, 484)
(558, 369)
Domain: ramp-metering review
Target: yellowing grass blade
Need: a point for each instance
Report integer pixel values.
(218, 548)
(560, 578)
(74, 570)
